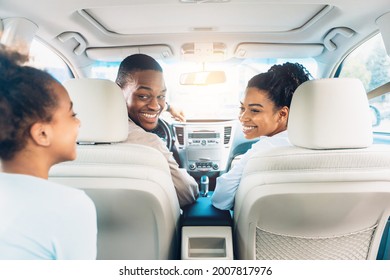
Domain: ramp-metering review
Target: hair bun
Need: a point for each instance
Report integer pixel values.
(10, 59)
(293, 71)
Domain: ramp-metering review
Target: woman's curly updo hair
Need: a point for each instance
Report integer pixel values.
(280, 82)
(26, 97)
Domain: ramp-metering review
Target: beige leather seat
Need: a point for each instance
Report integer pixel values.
(131, 186)
(325, 197)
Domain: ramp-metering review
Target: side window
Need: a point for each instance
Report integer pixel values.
(46, 59)
(371, 64)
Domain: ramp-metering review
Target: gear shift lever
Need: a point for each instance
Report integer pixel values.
(204, 185)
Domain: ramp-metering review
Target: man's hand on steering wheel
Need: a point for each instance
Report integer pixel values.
(167, 134)
(164, 132)
(176, 113)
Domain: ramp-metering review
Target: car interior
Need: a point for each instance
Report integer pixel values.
(325, 197)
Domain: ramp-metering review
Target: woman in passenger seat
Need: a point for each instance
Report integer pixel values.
(38, 128)
(263, 113)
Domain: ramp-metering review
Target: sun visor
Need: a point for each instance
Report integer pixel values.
(119, 53)
(260, 50)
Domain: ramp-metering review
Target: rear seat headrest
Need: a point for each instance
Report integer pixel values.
(330, 114)
(101, 108)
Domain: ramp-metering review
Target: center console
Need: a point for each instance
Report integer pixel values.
(203, 147)
(206, 232)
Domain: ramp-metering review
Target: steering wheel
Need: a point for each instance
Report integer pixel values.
(167, 134)
(164, 132)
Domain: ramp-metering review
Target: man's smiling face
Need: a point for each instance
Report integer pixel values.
(145, 98)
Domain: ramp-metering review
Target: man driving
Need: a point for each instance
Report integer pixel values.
(142, 82)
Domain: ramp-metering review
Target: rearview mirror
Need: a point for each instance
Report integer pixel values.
(203, 78)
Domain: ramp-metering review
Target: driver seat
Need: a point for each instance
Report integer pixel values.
(137, 207)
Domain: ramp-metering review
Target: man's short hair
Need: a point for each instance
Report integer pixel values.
(134, 63)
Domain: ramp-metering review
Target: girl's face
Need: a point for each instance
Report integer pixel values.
(65, 127)
(259, 116)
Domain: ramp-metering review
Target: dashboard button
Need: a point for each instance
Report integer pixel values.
(192, 166)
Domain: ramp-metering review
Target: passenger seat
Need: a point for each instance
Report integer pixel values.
(325, 197)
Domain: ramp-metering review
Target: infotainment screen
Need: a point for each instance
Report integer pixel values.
(203, 135)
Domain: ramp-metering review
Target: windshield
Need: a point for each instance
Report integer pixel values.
(207, 102)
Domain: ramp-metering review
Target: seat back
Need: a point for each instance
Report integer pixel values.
(131, 186)
(325, 197)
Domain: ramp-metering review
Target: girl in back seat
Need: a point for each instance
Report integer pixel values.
(38, 128)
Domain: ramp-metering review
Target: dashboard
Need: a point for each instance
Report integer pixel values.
(204, 148)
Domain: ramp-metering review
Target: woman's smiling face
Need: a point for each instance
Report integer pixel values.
(259, 116)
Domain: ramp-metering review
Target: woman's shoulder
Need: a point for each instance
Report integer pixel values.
(280, 139)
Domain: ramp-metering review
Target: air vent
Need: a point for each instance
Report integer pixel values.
(227, 133)
(180, 134)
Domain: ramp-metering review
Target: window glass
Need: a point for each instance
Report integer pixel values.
(371, 64)
(46, 59)
(212, 101)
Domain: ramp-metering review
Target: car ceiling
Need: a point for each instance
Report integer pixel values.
(172, 29)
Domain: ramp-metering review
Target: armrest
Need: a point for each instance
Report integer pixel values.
(203, 213)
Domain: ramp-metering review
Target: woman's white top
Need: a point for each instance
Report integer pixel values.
(227, 184)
